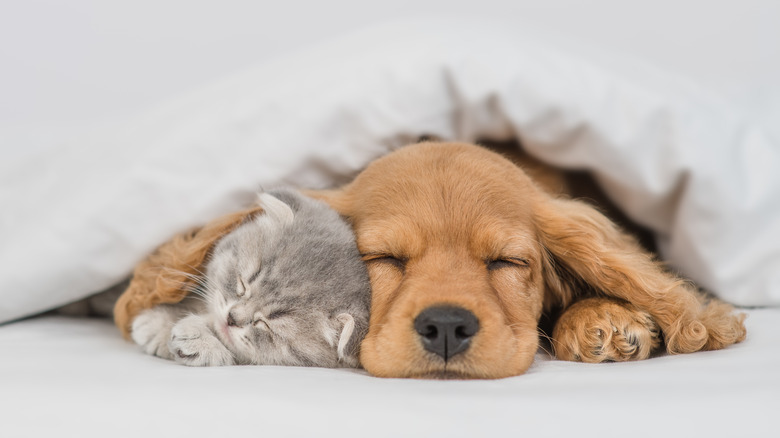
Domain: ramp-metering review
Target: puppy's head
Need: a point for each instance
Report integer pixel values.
(456, 267)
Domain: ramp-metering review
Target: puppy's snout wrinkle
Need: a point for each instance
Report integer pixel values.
(446, 330)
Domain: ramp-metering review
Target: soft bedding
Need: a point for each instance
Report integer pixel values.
(76, 377)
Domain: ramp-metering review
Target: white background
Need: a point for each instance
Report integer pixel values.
(67, 64)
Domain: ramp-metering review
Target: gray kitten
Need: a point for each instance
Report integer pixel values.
(287, 287)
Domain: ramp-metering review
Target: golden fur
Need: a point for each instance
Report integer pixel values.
(446, 209)
(429, 217)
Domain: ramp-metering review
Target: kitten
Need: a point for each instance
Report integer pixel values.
(287, 287)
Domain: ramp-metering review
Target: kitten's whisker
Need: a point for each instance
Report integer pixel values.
(200, 279)
(192, 288)
(197, 270)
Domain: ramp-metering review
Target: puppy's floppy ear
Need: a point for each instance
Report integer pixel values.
(338, 199)
(585, 251)
(165, 276)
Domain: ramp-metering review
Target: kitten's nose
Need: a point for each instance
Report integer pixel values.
(446, 330)
(235, 320)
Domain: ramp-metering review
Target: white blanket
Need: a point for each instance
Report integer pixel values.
(77, 220)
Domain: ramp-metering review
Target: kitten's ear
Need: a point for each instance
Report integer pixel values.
(276, 209)
(349, 339)
(289, 196)
(166, 275)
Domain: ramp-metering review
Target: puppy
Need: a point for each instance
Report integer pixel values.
(465, 252)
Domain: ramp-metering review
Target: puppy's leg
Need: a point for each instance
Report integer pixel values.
(584, 247)
(689, 322)
(604, 330)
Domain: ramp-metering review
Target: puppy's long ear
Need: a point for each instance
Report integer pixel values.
(586, 251)
(166, 275)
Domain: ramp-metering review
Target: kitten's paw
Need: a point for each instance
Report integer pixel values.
(605, 330)
(192, 343)
(151, 330)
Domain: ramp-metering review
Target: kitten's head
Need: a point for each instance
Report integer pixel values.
(288, 287)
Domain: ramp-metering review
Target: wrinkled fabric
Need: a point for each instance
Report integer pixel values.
(77, 219)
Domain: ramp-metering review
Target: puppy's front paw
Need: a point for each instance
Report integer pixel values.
(151, 330)
(604, 330)
(192, 343)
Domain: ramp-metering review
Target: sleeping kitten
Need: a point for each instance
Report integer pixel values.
(287, 287)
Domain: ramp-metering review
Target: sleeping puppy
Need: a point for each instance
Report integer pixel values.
(465, 252)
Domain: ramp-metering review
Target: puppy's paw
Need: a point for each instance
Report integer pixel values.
(716, 326)
(604, 330)
(192, 343)
(151, 330)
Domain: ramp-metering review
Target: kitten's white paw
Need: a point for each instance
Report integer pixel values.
(151, 330)
(193, 343)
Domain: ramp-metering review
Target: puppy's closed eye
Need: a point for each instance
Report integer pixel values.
(508, 262)
(391, 260)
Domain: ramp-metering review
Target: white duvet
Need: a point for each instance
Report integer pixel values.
(76, 219)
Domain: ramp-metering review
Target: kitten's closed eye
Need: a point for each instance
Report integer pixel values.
(279, 313)
(262, 324)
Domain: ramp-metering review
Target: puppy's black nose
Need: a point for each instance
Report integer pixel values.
(446, 330)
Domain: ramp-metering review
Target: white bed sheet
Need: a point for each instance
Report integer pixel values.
(77, 377)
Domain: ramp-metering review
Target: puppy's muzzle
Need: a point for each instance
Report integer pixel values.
(446, 330)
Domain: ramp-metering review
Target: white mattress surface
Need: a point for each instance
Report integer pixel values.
(77, 377)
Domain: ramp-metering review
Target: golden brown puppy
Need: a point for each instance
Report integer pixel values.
(465, 251)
